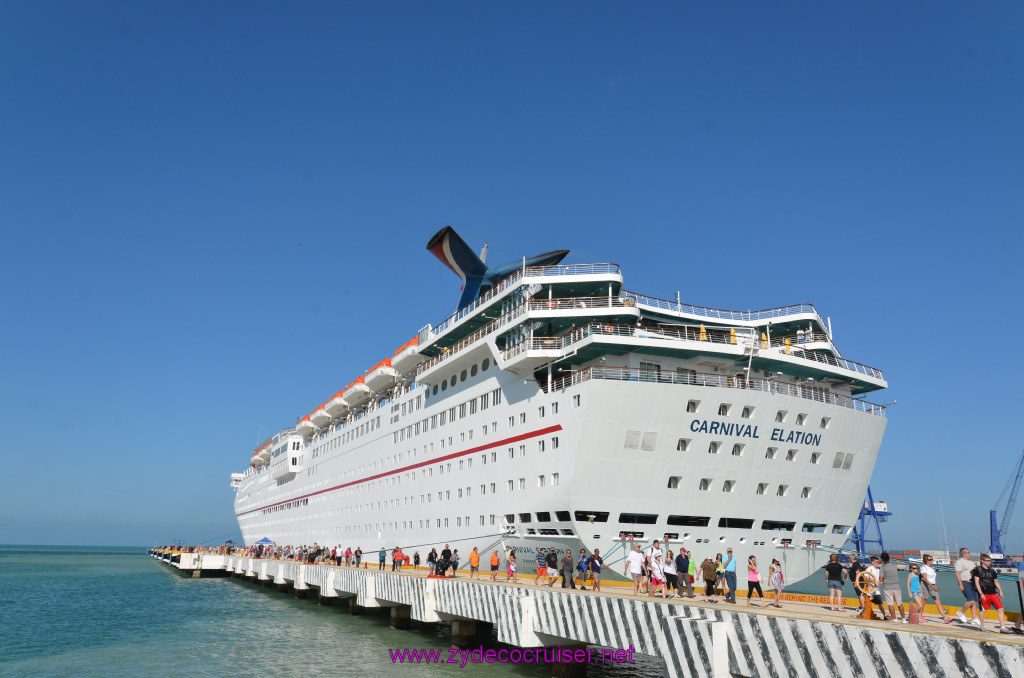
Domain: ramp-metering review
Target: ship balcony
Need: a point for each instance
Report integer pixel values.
(381, 376)
(337, 406)
(615, 307)
(287, 467)
(529, 354)
(320, 417)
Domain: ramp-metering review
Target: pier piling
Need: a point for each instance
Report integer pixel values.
(401, 616)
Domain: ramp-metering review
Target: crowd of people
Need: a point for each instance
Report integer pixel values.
(662, 573)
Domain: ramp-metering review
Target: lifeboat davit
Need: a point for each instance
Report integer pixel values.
(357, 393)
(305, 427)
(336, 405)
(381, 376)
(264, 452)
(255, 461)
(319, 417)
(407, 357)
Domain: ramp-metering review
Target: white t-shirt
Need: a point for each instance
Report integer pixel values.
(635, 558)
(657, 570)
(876, 573)
(929, 574)
(656, 552)
(963, 569)
(670, 567)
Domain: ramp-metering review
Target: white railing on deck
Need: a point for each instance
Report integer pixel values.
(742, 337)
(721, 313)
(716, 380)
(508, 281)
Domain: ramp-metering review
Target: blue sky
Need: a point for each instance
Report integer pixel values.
(214, 216)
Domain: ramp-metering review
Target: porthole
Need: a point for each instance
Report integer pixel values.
(472, 371)
(485, 365)
(743, 540)
(434, 390)
(462, 377)
(444, 385)
(455, 380)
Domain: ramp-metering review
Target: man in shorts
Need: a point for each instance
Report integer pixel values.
(634, 568)
(474, 564)
(596, 565)
(930, 589)
(551, 563)
(876, 597)
(990, 591)
(964, 567)
(495, 561)
(891, 591)
(542, 566)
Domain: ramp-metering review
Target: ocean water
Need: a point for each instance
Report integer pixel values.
(93, 611)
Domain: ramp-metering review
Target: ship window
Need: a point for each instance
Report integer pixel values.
(840, 529)
(778, 525)
(592, 516)
(543, 516)
(494, 488)
(692, 406)
(673, 482)
(481, 520)
(511, 453)
(522, 417)
(525, 517)
(530, 530)
(748, 412)
(737, 523)
(813, 527)
(462, 376)
(761, 487)
(548, 531)
(492, 515)
(483, 489)
(540, 445)
(638, 518)
(806, 493)
(728, 485)
(826, 422)
(554, 478)
(485, 365)
(522, 483)
(472, 373)
(454, 380)
(737, 450)
(554, 408)
(540, 411)
(791, 455)
(554, 443)
(494, 456)
(848, 462)
(770, 454)
(713, 447)
(723, 410)
(705, 484)
(511, 422)
(510, 518)
(433, 391)
(458, 522)
(566, 531)
(780, 416)
(800, 419)
(444, 385)
(815, 457)
(511, 486)
(781, 492)
(576, 401)
(540, 481)
(689, 521)
(683, 445)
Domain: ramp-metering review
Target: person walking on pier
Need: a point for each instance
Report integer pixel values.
(930, 589)
(671, 574)
(455, 561)
(729, 566)
(474, 564)
(914, 593)
(358, 556)
(834, 574)
(778, 580)
(495, 561)
(990, 591)
(542, 566)
(583, 567)
(511, 560)
(431, 562)
(852, 572)
(566, 568)
(596, 565)
(719, 574)
(381, 557)
(891, 589)
(753, 580)
(708, 574)
(551, 564)
(634, 568)
(964, 566)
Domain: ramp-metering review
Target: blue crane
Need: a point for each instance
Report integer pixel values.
(996, 534)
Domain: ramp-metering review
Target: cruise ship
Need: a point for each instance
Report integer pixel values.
(557, 409)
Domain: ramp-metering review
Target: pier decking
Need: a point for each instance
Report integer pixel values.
(692, 638)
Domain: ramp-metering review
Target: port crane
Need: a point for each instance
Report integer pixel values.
(996, 533)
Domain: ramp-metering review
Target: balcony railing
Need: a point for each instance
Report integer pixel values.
(720, 313)
(690, 378)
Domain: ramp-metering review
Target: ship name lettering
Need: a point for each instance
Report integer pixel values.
(799, 437)
(724, 429)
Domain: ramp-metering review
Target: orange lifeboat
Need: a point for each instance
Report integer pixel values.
(381, 376)
(357, 393)
(305, 427)
(336, 405)
(319, 417)
(407, 356)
